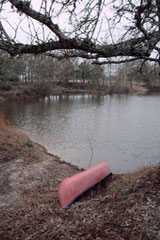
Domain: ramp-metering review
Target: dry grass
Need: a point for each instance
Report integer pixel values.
(152, 173)
(10, 138)
(123, 207)
(3, 122)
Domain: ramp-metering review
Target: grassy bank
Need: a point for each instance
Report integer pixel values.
(124, 206)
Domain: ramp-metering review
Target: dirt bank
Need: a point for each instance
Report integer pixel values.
(124, 206)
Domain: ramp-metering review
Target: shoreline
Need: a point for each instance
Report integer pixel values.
(57, 158)
(26, 92)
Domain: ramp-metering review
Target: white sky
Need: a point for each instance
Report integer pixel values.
(11, 20)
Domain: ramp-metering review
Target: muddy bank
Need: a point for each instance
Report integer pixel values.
(124, 206)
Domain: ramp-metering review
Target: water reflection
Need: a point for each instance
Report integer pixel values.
(122, 130)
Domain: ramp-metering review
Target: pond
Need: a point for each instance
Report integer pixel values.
(84, 130)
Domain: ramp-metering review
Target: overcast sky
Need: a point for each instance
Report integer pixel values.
(12, 20)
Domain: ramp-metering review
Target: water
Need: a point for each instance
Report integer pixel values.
(84, 130)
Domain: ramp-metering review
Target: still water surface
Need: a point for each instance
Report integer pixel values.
(121, 130)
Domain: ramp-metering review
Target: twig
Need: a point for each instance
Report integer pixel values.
(91, 149)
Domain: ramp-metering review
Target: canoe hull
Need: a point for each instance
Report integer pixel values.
(72, 187)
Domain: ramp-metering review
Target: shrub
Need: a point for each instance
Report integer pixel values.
(42, 88)
(27, 91)
(5, 86)
(29, 144)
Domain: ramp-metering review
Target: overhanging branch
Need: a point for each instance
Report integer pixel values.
(24, 7)
(136, 48)
(126, 61)
(115, 62)
(66, 55)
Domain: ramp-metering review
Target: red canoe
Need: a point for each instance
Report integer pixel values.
(72, 187)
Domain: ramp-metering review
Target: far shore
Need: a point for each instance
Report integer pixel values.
(26, 92)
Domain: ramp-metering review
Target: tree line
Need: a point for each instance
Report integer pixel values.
(45, 69)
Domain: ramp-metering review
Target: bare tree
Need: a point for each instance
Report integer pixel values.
(77, 36)
(43, 69)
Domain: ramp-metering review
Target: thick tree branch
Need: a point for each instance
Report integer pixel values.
(24, 7)
(115, 62)
(74, 54)
(136, 47)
